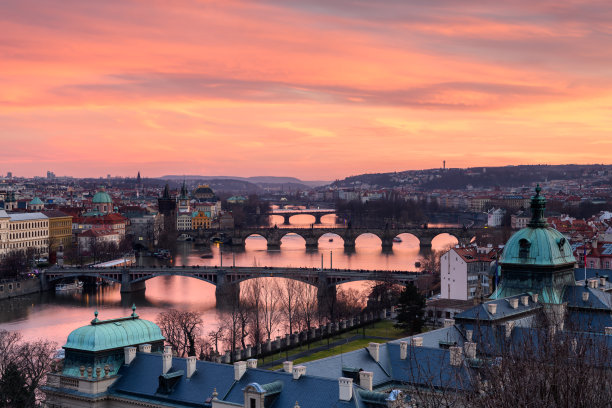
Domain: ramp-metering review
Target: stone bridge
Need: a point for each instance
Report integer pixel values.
(349, 235)
(317, 213)
(226, 280)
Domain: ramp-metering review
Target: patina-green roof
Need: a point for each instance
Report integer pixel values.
(36, 201)
(101, 197)
(537, 246)
(112, 334)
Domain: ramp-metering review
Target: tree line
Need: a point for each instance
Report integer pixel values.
(264, 309)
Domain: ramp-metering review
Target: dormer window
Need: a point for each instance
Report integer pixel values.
(524, 247)
(561, 243)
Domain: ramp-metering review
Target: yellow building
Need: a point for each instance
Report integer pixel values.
(201, 221)
(60, 229)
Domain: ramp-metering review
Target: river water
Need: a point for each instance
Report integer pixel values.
(53, 315)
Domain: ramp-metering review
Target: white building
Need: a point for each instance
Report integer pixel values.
(26, 230)
(184, 221)
(4, 232)
(495, 217)
(464, 271)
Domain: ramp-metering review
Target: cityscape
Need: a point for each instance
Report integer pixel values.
(305, 204)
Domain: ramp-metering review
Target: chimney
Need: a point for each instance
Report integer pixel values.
(403, 350)
(508, 326)
(449, 322)
(513, 303)
(130, 354)
(239, 369)
(299, 371)
(374, 349)
(525, 300)
(346, 388)
(602, 281)
(252, 363)
(535, 298)
(288, 366)
(469, 334)
(608, 331)
(191, 366)
(365, 379)
(470, 349)
(492, 308)
(456, 355)
(144, 348)
(585, 296)
(416, 341)
(167, 359)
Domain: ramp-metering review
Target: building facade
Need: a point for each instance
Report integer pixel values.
(465, 272)
(29, 231)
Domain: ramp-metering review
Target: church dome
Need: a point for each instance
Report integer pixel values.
(538, 244)
(102, 197)
(203, 190)
(36, 201)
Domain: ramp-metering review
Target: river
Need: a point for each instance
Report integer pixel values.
(53, 315)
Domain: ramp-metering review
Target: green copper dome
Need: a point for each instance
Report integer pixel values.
(36, 201)
(101, 197)
(113, 334)
(537, 259)
(537, 244)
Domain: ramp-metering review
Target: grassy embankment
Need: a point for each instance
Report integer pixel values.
(372, 333)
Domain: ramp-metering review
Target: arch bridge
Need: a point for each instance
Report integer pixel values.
(349, 235)
(425, 236)
(317, 213)
(226, 280)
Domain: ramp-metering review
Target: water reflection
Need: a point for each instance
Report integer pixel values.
(53, 316)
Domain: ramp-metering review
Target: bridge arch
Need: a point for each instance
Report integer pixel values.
(408, 239)
(444, 240)
(107, 276)
(203, 277)
(367, 236)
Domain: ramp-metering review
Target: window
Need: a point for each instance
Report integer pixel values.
(253, 403)
(591, 264)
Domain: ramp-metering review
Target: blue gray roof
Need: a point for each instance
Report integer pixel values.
(543, 246)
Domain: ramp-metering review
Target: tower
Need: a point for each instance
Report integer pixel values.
(537, 259)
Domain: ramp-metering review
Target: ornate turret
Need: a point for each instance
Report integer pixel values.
(538, 205)
(537, 259)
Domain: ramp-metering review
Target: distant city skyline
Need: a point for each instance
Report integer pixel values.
(317, 90)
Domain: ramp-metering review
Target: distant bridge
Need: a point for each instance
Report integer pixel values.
(349, 235)
(226, 279)
(317, 213)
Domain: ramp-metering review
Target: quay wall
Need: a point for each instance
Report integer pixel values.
(18, 287)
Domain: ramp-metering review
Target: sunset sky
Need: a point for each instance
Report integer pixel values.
(317, 89)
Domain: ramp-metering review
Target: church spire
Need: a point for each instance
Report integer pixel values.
(538, 204)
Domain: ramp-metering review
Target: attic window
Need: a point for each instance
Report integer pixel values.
(524, 246)
(560, 243)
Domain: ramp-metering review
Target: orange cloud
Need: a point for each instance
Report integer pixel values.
(312, 89)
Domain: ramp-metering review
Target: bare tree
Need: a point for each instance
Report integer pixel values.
(308, 306)
(30, 360)
(216, 336)
(270, 307)
(182, 330)
(253, 299)
(290, 292)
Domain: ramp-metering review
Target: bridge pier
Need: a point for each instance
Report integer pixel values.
(425, 243)
(318, 218)
(326, 293)
(286, 219)
(227, 293)
(349, 243)
(128, 286)
(312, 242)
(387, 244)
